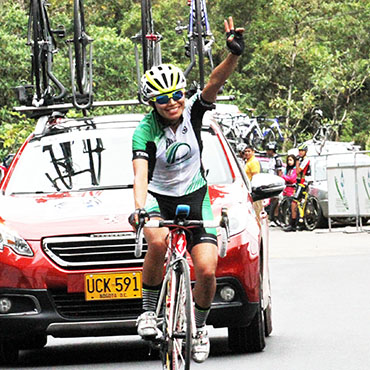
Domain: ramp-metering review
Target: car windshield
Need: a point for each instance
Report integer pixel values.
(95, 159)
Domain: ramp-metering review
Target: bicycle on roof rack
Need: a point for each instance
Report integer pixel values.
(46, 89)
(200, 38)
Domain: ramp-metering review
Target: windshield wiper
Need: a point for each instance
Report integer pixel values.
(107, 187)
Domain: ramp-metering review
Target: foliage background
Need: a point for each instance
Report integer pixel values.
(300, 55)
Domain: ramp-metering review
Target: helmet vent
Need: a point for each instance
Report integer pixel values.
(165, 79)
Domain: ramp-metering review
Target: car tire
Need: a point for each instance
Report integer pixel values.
(249, 339)
(9, 352)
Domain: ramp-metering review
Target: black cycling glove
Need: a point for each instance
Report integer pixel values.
(235, 42)
(142, 216)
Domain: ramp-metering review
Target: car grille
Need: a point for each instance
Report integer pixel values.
(94, 251)
(74, 305)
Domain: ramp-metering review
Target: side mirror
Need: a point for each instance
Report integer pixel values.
(265, 185)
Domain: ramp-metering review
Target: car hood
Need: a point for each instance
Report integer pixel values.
(34, 216)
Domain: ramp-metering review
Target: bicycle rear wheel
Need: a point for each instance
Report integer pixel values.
(177, 323)
(80, 43)
(200, 41)
(147, 29)
(285, 211)
(312, 213)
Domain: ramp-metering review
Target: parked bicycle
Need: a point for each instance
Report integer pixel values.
(308, 211)
(199, 38)
(176, 323)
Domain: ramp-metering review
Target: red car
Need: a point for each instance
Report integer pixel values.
(67, 266)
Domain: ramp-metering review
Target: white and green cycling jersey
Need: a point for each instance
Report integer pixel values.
(175, 167)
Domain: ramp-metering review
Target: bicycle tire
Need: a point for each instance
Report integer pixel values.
(255, 141)
(269, 136)
(311, 214)
(79, 35)
(35, 28)
(285, 211)
(147, 28)
(177, 345)
(200, 41)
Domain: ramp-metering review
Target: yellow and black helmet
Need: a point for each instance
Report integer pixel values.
(161, 79)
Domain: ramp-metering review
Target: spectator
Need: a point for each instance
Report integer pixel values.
(290, 176)
(303, 169)
(252, 165)
(275, 168)
(275, 163)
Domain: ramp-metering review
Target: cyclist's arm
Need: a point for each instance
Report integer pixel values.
(140, 181)
(221, 73)
(218, 77)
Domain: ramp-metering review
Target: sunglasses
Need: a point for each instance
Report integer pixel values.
(165, 98)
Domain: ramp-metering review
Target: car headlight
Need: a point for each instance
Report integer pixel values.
(9, 238)
(237, 219)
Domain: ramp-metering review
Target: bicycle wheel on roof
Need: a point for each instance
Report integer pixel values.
(35, 40)
(147, 34)
(79, 35)
(200, 40)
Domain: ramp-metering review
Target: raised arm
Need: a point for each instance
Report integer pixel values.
(235, 43)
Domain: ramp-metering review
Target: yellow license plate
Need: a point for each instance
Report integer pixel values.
(113, 285)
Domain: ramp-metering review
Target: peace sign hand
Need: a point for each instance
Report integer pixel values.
(234, 38)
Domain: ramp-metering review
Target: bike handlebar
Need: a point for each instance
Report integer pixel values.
(183, 223)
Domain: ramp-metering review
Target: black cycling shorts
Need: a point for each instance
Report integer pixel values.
(163, 206)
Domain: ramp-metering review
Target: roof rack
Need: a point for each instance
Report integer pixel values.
(45, 110)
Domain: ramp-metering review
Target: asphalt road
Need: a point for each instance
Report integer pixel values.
(321, 315)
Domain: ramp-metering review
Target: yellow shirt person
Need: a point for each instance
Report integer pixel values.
(252, 166)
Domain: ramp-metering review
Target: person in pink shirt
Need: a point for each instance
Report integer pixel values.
(290, 176)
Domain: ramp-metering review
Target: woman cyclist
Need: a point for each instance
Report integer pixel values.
(167, 166)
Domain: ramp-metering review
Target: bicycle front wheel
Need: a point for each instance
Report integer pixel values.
(177, 323)
(80, 43)
(312, 213)
(285, 211)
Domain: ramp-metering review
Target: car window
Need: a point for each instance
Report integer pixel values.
(214, 160)
(93, 159)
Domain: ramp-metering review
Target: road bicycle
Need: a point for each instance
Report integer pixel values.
(81, 66)
(231, 126)
(325, 132)
(199, 38)
(308, 209)
(260, 130)
(45, 88)
(176, 323)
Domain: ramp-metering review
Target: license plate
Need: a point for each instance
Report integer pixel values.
(113, 285)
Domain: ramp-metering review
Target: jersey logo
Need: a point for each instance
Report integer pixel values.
(177, 153)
